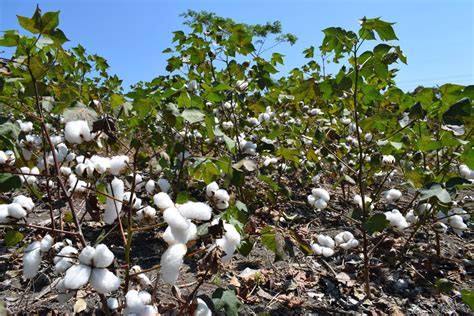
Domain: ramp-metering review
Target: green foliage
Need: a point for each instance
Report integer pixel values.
(12, 238)
(226, 301)
(9, 182)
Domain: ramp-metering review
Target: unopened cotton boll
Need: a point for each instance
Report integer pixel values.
(104, 281)
(77, 132)
(32, 260)
(196, 210)
(396, 220)
(114, 207)
(171, 261)
(346, 240)
(25, 202)
(163, 201)
(392, 195)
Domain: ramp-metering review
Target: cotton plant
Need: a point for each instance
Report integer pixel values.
(33, 254)
(29, 175)
(92, 269)
(219, 197)
(319, 198)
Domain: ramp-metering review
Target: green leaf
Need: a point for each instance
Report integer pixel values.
(226, 301)
(309, 52)
(101, 188)
(182, 197)
(116, 101)
(193, 115)
(68, 218)
(435, 189)
(38, 69)
(288, 154)
(376, 223)
(468, 298)
(456, 181)
(416, 112)
(49, 21)
(9, 182)
(13, 237)
(444, 285)
(28, 24)
(459, 113)
(245, 247)
(268, 235)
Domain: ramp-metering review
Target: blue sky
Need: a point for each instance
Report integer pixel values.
(437, 36)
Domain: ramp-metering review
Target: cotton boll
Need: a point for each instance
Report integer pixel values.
(118, 164)
(367, 200)
(103, 257)
(346, 240)
(392, 195)
(143, 280)
(87, 255)
(46, 243)
(423, 208)
(3, 157)
(64, 259)
(32, 260)
(145, 297)
(171, 261)
(112, 303)
(440, 227)
(311, 199)
(134, 304)
(136, 202)
(76, 132)
(4, 213)
(202, 309)
(459, 211)
(65, 171)
(211, 188)
(149, 310)
(15, 210)
(150, 186)
(229, 242)
(321, 194)
(174, 219)
(103, 281)
(466, 172)
(396, 220)
(320, 204)
(148, 213)
(221, 194)
(113, 207)
(457, 224)
(163, 201)
(196, 210)
(222, 204)
(77, 276)
(25, 202)
(325, 241)
(388, 160)
(411, 217)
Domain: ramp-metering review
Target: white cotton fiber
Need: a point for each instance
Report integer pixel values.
(171, 261)
(103, 257)
(163, 201)
(175, 219)
(145, 297)
(113, 207)
(346, 240)
(118, 164)
(15, 210)
(77, 132)
(136, 202)
(164, 185)
(321, 193)
(392, 195)
(148, 213)
(396, 219)
(202, 309)
(46, 243)
(325, 241)
(134, 304)
(112, 303)
(148, 310)
(104, 281)
(320, 250)
(196, 210)
(64, 259)
(4, 213)
(77, 276)
(87, 254)
(25, 202)
(150, 186)
(211, 188)
(32, 260)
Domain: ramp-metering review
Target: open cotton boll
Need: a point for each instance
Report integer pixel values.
(46, 243)
(164, 185)
(457, 224)
(171, 261)
(440, 227)
(178, 236)
(423, 208)
(65, 171)
(100, 164)
(77, 276)
(104, 281)
(346, 240)
(15, 210)
(136, 202)
(113, 207)
(411, 217)
(112, 303)
(325, 241)
(196, 210)
(134, 304)
(87, 254)
(174, 219)
(202, 309)
(229, 242)
(4, 213)
(64, 259)
(25, 202)
(150, 186)
(102, 257)
(32, 260)
(211, 188)
(77, 132)
(388, 160)
(367, 200)
(461, 212)
(396, 220)
(466, 172)
(392, 195)
(163, 201)
(118, 164)
(146, 214)
(323, 250)
(3, 157)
